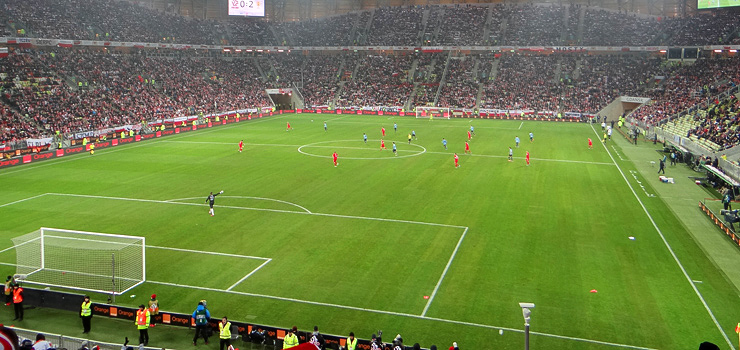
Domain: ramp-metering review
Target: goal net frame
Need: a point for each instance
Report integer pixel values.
(95, 262)
(433, 112)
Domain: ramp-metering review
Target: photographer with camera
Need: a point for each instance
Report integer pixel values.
(376, 343)
(258, 335)
(727, 200)
(398, 343)
(731, 217)
(317, 339)
(201, 315)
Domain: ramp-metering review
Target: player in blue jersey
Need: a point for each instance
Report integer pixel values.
(413, 134)
(325, 127)
(395, 151)
(395, 127)
(364, 137)
(472, 130)
(444, 143)
(531, 137)
(516, 139)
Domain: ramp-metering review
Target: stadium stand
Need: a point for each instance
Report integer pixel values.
(381, 80)
(460, 87)
(431, 25)
(396, 26)
(73, 90)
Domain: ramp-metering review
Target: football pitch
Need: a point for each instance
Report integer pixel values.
(405, 243)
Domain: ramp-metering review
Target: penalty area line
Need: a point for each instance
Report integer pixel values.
(248, 275)
(444, 273)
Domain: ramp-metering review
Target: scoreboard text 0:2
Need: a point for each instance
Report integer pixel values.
(255, 8)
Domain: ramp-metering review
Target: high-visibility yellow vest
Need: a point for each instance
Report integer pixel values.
(142, 319)
(86, 311)
(224, 330)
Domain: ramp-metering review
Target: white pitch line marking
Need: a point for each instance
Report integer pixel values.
(248, 275)
(260, 209)
(520, 126)
(444, 273)
(209, 253)
(401, 314)
(23, 200)
(244, 197)
(417, 153)
(229, 143)
(539, 159)
(667, 245)
(337, 118)
(695, 281)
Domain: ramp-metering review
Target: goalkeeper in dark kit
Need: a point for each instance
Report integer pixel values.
(212, 198)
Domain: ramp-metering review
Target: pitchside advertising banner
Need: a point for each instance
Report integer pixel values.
(71, 302)
(34, 154)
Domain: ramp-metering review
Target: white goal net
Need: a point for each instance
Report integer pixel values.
(89, 261)
(433, 112)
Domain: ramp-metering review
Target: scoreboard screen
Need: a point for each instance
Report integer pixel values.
(713, 4)
(255, 8)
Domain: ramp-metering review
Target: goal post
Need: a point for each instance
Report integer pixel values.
(432, 112)
(79, 260)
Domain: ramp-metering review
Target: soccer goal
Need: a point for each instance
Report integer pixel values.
(89, 261)
(433, 112)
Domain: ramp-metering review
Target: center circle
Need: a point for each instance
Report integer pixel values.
(421, 150)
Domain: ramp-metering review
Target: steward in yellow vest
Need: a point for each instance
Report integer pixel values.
(86, 314)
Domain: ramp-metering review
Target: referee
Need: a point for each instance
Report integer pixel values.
(212, 198)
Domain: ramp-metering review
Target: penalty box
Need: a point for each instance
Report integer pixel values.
(322, 257)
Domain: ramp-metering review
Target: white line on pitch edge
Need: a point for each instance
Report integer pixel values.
(520, 126)
(401, 314)
(667, 245)
(444, 273)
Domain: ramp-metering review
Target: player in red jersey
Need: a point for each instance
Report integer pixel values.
(470, 136)
(382, 130)
(457, 160)
(467, 148)
(335, 159)
(288, 127)
(590, 143)
(241, 146)
(382, 144)
(527, 157)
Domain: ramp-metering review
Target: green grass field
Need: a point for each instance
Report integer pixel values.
(407, 244)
